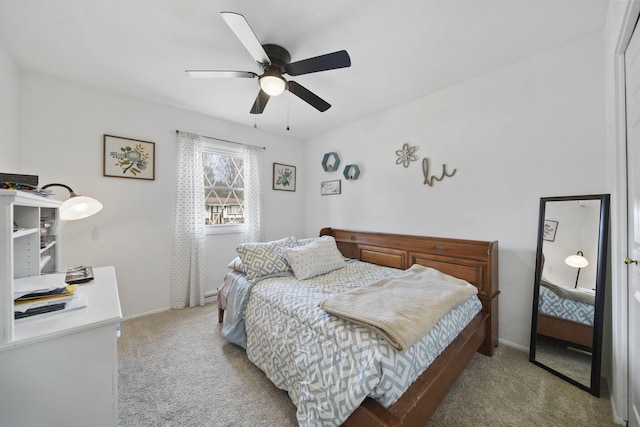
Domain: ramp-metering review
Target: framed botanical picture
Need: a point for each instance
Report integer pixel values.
(330, 187)
(550, 228)
(284, 177)
(128, 158)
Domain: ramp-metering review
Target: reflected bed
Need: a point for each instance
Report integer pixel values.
(566, 314)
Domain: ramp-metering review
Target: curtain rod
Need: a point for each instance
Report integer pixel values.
(226, 140)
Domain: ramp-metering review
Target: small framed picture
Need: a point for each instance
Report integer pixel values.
(128, 158)
(284, 177)
(550, 228)
(330, 187)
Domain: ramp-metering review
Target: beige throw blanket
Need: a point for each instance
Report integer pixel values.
(404, 308)
(574, 294)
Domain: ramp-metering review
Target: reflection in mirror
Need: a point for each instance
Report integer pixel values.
(568, 304)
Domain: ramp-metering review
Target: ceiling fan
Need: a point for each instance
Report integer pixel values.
(275, 61)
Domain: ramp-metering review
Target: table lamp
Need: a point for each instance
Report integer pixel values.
(76, 206)
(577, 261)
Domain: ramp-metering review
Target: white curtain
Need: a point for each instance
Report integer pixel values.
(253, 193)
(187, 272)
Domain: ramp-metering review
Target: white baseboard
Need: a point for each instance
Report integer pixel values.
(134, 316)
(208, 298)
(211, 297)
(514, 345)
(616, 416)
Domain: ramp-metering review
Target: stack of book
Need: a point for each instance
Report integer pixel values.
(44, 301)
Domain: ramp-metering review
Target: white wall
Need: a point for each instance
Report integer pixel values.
(9, 88)
(61, 139)
(532, 129)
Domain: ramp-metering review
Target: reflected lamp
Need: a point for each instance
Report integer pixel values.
(577, 261)
(76, 206)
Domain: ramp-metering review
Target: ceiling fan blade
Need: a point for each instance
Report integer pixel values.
(213, 74)
(309, 97)
(247, 37)
(260, 102)
(330, 61)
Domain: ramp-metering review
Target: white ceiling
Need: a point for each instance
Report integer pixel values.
(399, 50)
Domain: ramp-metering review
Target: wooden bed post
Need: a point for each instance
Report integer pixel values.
(490, 301)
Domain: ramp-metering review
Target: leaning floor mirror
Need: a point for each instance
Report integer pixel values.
(569, 294)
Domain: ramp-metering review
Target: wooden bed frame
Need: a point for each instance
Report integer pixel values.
(471, 260)
(565, 330)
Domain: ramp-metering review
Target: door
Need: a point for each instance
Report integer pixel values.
(632, 71)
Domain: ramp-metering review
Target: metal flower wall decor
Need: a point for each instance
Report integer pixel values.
(406, 155)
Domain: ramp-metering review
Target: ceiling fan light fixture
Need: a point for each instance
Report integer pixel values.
(272, 85)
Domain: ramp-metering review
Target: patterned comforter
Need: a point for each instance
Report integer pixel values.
(329, 365)
(566, 308)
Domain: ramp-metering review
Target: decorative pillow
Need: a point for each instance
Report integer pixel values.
(314, 259)
(265, 259)
(307, 240)
(237, 265)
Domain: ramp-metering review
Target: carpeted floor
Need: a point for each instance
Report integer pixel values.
(175, 369)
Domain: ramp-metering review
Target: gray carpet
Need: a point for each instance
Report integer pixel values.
(176, 370)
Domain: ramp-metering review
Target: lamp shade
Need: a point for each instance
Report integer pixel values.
(76, 207)
(576, 261)
(79, 207)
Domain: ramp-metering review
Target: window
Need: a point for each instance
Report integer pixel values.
(223, 188)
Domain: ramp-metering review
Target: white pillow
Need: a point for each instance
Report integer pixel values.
(307, 240)
(265, 259)
(318, 257)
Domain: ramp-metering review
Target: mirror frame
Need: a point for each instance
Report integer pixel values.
(603, 242)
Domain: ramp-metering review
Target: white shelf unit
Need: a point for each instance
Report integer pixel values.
(21, 254)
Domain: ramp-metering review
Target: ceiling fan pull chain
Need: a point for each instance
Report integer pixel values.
(288, 104)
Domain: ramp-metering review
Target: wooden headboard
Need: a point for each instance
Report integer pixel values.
(472, 260)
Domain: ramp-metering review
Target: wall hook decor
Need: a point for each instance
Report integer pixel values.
(429, 179)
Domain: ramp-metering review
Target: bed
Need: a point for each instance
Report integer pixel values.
(566, 314)
(473, 261)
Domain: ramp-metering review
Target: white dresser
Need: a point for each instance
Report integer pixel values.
(61, 369)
